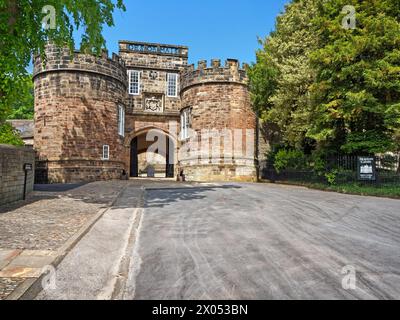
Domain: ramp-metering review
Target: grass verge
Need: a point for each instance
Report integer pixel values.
(387, 191)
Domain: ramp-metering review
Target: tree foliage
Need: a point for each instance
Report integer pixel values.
(23, 107)
(22, 35)
(281, 78)
(8, 135)
(329, 87)
(357, 91)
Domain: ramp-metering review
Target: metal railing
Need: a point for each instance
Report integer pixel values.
(339, 169)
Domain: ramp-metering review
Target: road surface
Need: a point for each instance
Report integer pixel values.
(239, 241)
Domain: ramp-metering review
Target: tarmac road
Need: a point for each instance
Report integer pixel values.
(236, 241)
(258, 241)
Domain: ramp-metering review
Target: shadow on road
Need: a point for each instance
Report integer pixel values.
(57, 187)
(80, 192)
(163, 197)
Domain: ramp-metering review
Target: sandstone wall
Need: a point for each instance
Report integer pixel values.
(219, 100)
(154, 62)
(12, 174)
(76, 113)
(154, 67)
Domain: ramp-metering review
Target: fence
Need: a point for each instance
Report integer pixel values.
(339, 169)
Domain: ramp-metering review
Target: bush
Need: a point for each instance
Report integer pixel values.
(8, 135)
(318, 162)
(290, 159)
(331, 177)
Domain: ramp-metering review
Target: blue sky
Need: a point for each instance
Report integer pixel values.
(211, 28)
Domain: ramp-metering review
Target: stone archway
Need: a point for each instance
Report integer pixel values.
(153, 153)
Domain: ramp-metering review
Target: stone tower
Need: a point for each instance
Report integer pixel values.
(216, 107)
(79, 110)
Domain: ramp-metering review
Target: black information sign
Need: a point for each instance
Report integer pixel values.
(366, 169)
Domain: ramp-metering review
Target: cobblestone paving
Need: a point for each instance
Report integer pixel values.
(8, 285)
(48, 219)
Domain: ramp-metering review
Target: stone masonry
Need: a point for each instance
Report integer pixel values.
(152, 108)
(78, 99)
(76, 113)
(219, 100)
(12, 174)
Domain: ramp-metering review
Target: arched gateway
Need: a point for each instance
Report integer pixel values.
(153, 153)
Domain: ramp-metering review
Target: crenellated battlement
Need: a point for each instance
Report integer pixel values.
(62, 60)
(215, 72)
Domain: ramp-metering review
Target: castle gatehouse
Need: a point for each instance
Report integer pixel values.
(143, 113)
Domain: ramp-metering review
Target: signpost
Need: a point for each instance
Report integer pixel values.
(27, 167)
(366, 169)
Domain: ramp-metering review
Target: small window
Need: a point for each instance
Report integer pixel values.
(121, 121)
(134, 82)
(172, 85)
(106, 152)
(185, 123)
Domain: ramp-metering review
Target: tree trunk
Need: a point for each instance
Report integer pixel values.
(12, 9)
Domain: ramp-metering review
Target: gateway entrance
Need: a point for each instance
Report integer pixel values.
(154, 158)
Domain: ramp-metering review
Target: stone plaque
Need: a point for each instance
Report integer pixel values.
(153, 103)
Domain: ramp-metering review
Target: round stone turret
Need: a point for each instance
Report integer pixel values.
(78, 100)
(216, 103)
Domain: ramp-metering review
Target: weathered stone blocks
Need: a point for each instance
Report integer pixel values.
(12, 174)
(76, 114)
(219, 102)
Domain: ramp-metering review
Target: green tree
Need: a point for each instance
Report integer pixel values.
(8, 135)
(281, 78)
(321, 85)
(23, 107)
(356, 94)
(22, 34)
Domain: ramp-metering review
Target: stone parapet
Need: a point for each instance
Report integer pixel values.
(153, 48)
(231, 72)
(63, 60)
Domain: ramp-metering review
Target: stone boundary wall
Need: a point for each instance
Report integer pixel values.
(12, 174)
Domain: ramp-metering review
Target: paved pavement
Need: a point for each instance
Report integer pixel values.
(236, 241)
(53, 214)
(35, 232)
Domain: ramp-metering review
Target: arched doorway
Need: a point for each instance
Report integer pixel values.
(152, 155)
